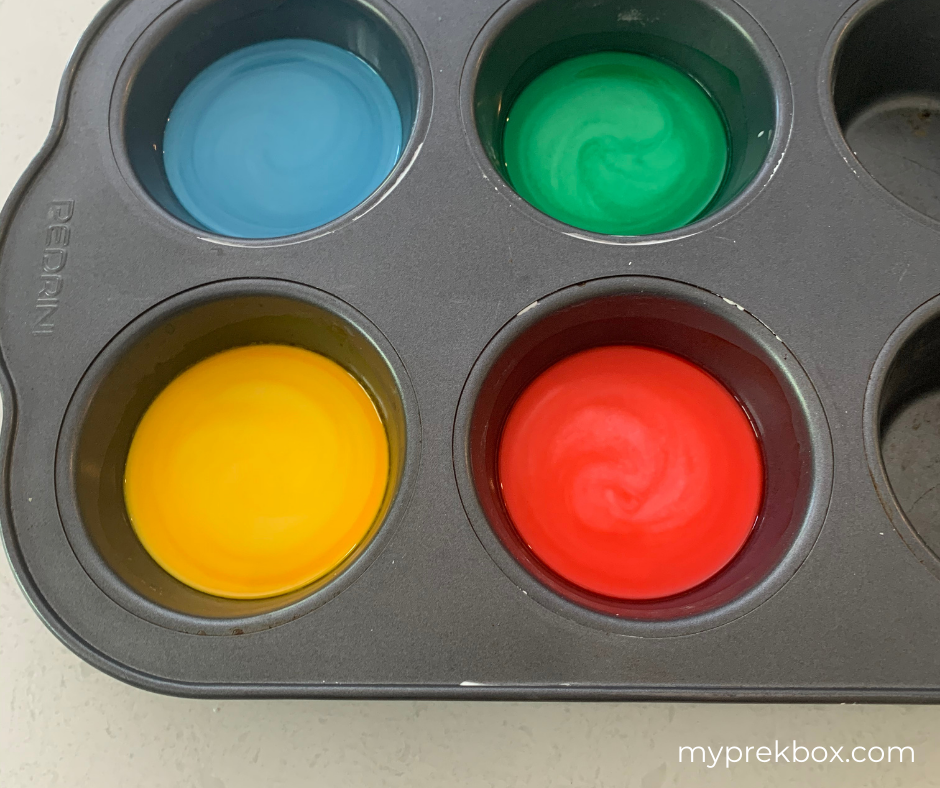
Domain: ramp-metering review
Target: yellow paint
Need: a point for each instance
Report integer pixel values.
(256, 471)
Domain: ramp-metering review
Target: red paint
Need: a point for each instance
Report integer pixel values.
(630, 472)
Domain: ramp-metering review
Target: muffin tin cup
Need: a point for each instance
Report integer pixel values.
(901, 439)
(138, 363)
(155, 73)
(720, 338)
(786, 293)
(716, 42)
(879, 88)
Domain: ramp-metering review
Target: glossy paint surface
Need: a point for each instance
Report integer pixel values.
(280, 137)
(630, 472)
(616, 143)
(256, 471)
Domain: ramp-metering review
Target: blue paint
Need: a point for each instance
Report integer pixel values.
(280, 137)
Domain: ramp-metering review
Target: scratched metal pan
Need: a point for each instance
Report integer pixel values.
(809, 289)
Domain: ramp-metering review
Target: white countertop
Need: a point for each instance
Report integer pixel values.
(62, 723)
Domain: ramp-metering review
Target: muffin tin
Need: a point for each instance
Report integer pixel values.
(806, 289)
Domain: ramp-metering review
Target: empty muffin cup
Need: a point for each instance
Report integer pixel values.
(627, 122)
(902, 431)
(263, 120)
(882, 90)
(236, 456)
(642, 456)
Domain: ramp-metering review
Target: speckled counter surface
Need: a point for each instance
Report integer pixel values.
(64, 724)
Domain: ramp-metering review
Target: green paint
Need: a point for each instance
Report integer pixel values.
(616, 143)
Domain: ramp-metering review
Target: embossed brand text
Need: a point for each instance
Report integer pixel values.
(54, 259)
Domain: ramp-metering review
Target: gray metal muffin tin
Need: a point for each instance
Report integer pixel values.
(806, 289)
